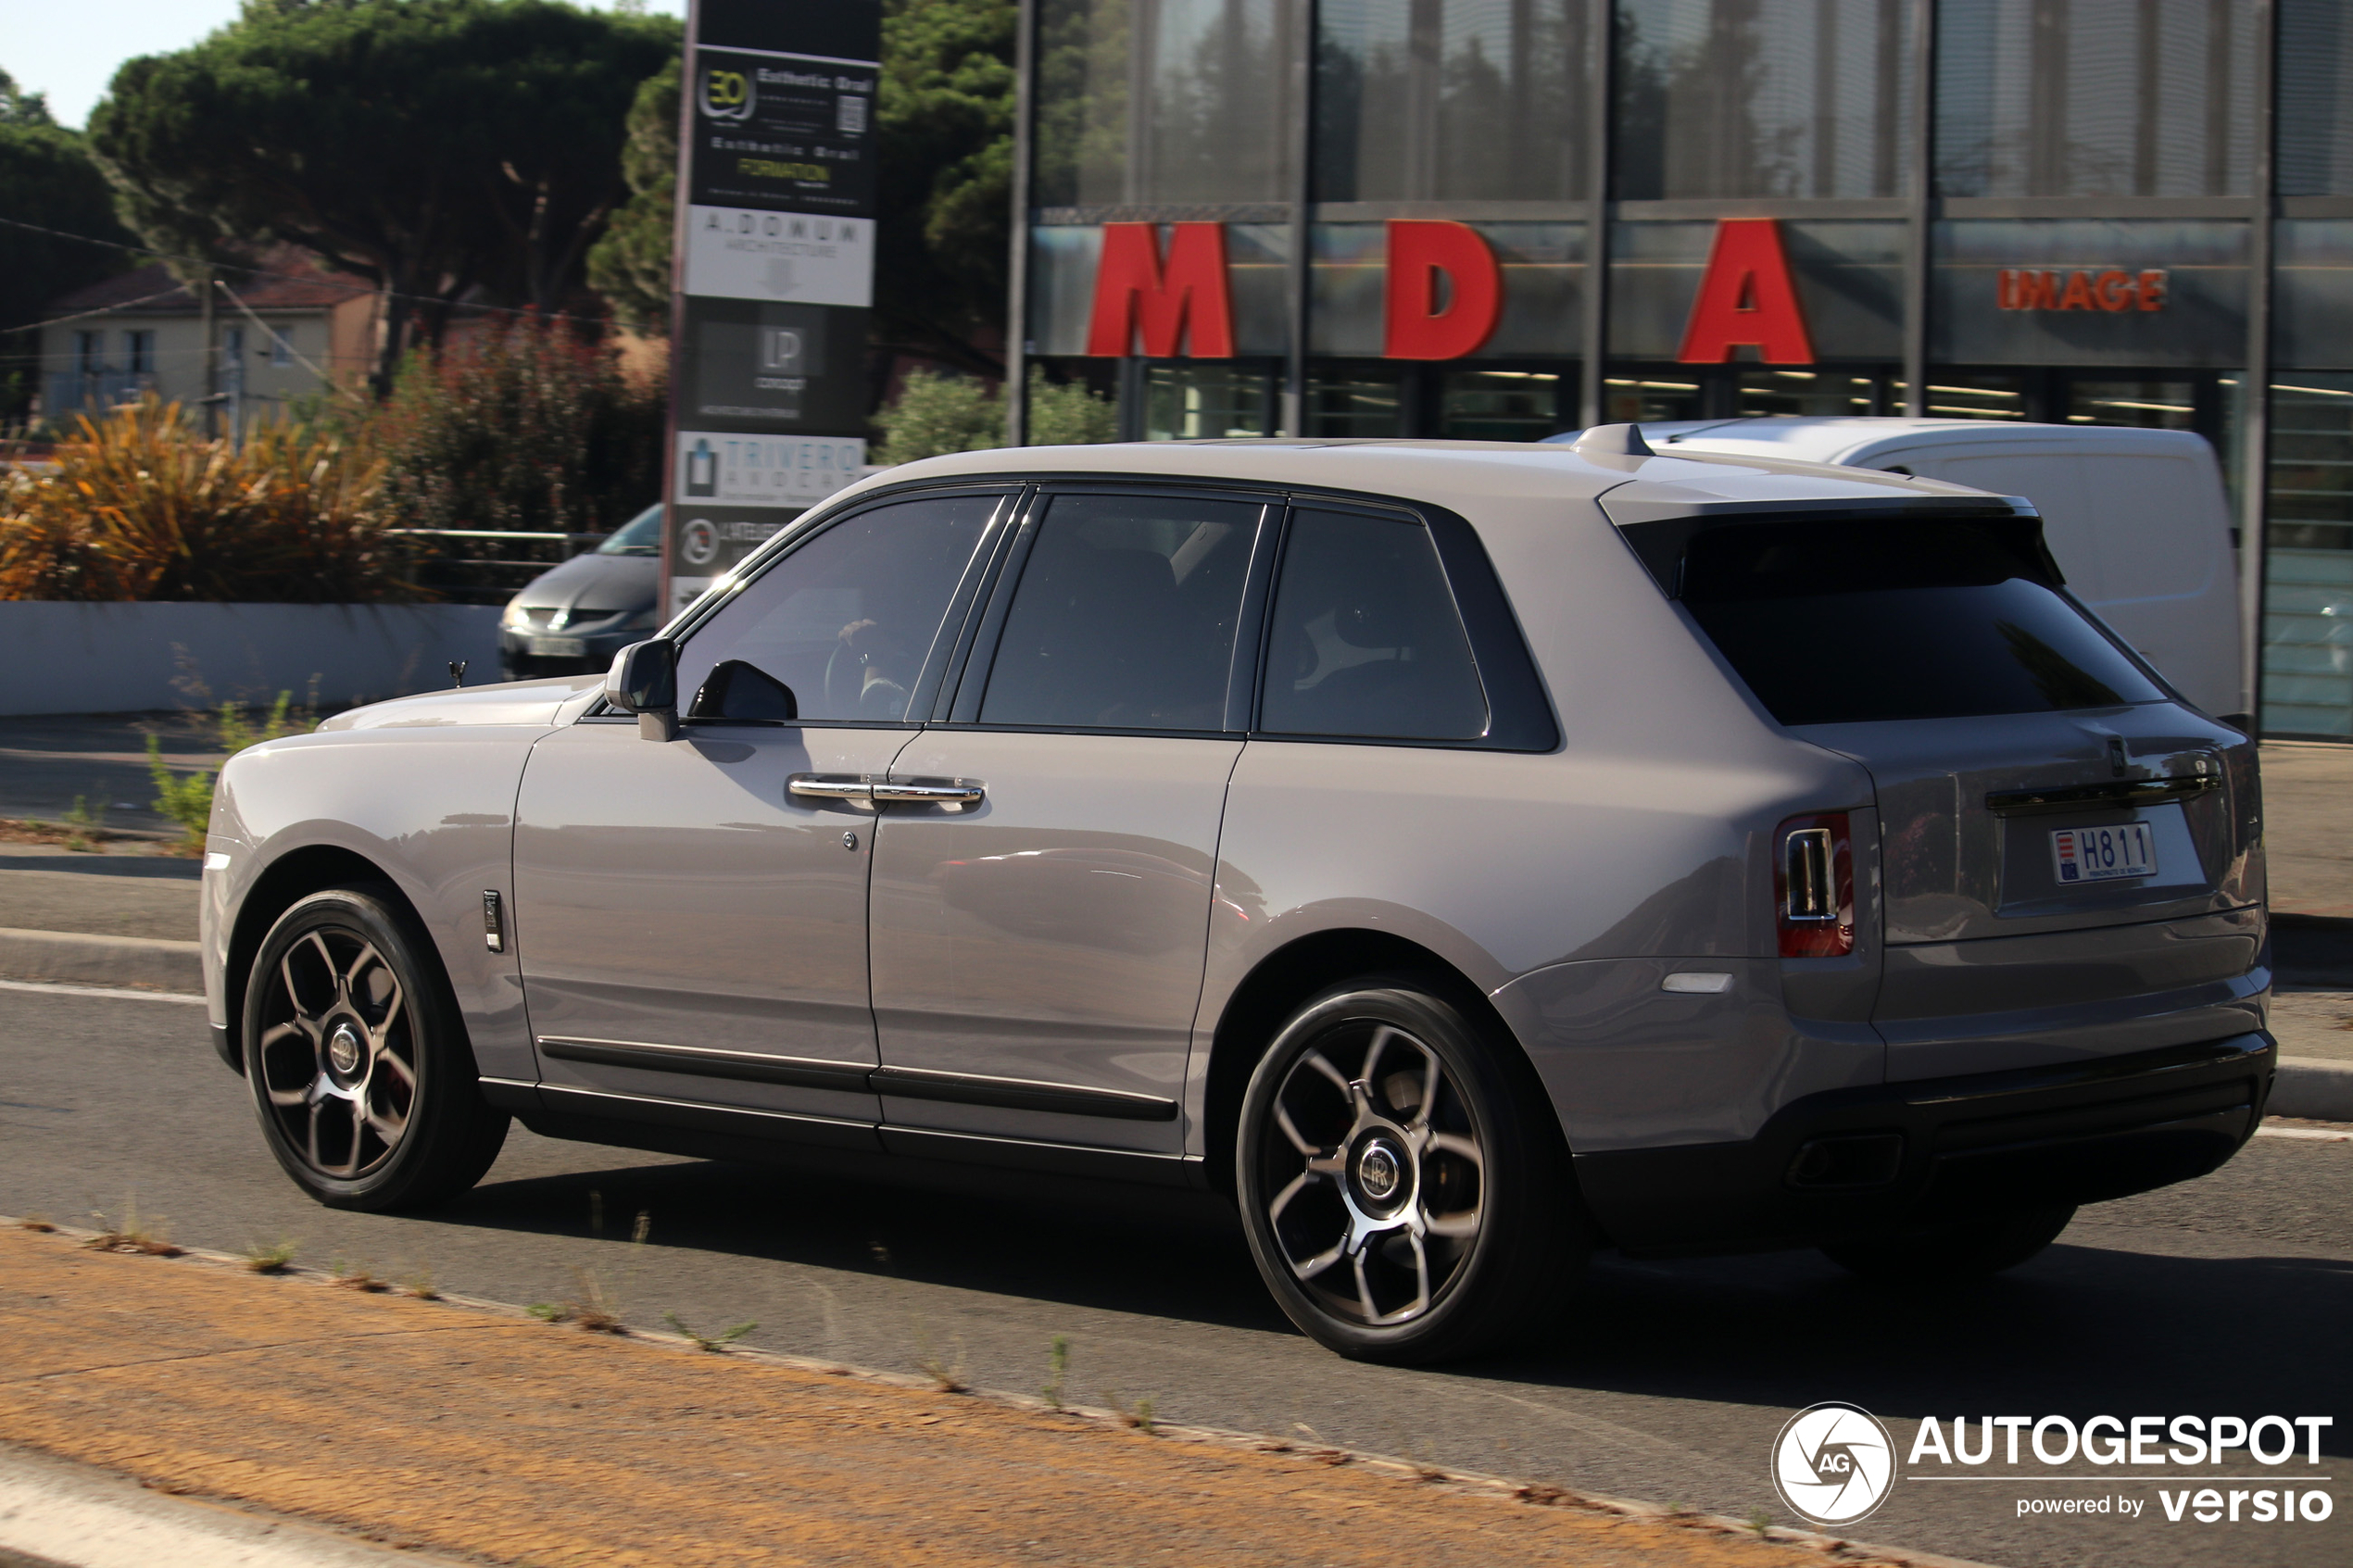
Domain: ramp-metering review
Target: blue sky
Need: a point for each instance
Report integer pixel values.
(69, 49)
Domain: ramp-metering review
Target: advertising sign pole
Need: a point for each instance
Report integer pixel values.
(772, 275)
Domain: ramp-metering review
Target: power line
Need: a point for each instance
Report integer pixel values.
(257, 272)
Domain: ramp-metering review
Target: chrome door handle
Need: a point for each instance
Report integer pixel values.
(829, 786)
(931, 792)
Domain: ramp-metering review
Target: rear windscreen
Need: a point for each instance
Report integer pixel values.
(1845, 622)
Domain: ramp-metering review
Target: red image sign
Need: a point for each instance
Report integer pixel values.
(2085, 289)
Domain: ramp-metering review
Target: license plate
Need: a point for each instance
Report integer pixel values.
(559, 648)
(2103, 854)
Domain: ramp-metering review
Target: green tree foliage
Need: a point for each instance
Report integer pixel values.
(435, 148)
(527, 427)
(935, 414)
(944, 121)
(48, 178)
(630, 266)
(947, 413)
(1068, 414)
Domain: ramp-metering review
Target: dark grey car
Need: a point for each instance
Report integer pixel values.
(573, 619)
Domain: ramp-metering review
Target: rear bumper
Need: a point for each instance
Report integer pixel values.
(1888, 1157)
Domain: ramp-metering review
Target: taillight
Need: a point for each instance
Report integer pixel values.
(1813, 887)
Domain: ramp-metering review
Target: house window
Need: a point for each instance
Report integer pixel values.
(281, 346)
(89, 352)
(139, 347)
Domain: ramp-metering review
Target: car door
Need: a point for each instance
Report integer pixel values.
(692, 914)
(1039, 928)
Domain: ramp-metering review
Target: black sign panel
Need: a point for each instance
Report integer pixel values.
(759, 366)
(777, 189)
(783, 132)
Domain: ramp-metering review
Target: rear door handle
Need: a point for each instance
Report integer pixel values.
(930, 792)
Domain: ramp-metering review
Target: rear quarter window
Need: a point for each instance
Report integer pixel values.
(1852, 622)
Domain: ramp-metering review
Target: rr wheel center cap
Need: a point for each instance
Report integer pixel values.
(343, 1050)
(1381, 1171)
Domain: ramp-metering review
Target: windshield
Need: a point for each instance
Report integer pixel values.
(640, 537)
(1847, 622)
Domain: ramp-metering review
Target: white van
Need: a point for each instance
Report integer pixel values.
(2136, 518)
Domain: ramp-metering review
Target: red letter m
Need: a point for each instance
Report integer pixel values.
(1135, 295)
(1746, 299)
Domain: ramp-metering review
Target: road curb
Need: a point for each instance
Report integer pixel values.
(2312, 1090)
(144, 963)
(70, 1513)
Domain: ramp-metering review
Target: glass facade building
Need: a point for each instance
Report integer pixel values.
(2090, 211)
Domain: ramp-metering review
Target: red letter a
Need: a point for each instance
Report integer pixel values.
(1132, 292)
(1746, 299)
(1418, 251)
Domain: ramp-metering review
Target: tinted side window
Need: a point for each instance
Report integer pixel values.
(1125, 615)
(847, 618)
(1367, 640)
(1847, 622)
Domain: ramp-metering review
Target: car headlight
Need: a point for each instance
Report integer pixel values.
(516, 618)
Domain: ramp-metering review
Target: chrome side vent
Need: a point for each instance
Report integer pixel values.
(1811, 894)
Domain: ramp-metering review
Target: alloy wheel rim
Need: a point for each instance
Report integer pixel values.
(1377, 1174)
(338, 1053)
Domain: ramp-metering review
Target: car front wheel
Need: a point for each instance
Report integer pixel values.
(1406, 1195)
(357, 1060)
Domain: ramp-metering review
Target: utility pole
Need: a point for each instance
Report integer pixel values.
(211, 359)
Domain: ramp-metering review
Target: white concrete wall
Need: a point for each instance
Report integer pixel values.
(136, 657)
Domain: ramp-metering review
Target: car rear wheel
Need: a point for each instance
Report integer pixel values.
(1970, 1250)
(1405, 1199)
(357, 1060)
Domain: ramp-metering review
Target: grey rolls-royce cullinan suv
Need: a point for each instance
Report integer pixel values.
(1464, 855)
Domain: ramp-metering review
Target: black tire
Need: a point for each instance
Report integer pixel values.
(1973, 1249)
(360, 1070)
(1443, 1182)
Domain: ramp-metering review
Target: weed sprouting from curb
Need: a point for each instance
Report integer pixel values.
(597, 1306)
(270, 1259)
(85, 826)
(1760, 1522)
(1058, 1367)
(358, 1276)
(131, 1235)
(712, 1343)
(419, 1285)
(946, 1372)
(1139, 1416)
(548, 1311)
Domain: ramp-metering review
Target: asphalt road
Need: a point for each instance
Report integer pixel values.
(1666, 1381)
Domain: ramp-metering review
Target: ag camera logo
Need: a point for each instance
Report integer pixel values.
(1833, 1464)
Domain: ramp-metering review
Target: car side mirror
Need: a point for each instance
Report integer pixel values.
(644, 680)
(736, 690)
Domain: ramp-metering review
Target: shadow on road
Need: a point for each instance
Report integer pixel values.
(2083, 1330)
(1110, 1248)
